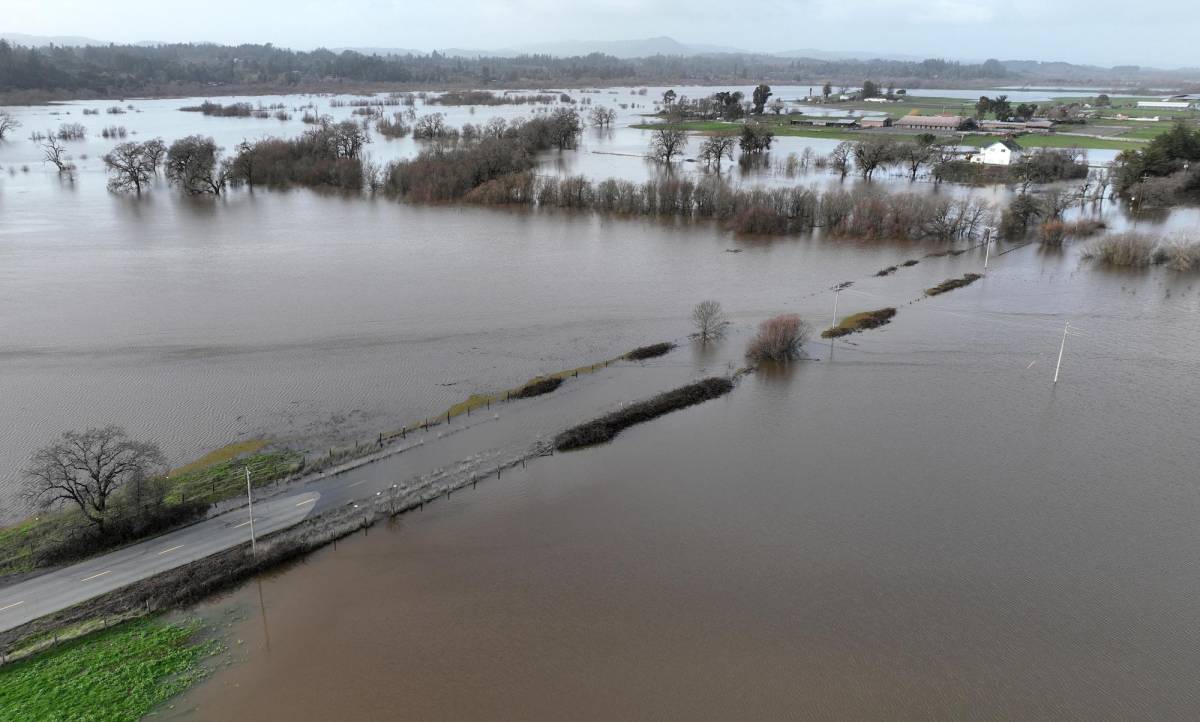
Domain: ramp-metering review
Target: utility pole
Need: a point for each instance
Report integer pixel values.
(833, 323)
(1061, 348)
(250, 502)
(987, 246)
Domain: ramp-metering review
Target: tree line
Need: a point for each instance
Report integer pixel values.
(124, 69)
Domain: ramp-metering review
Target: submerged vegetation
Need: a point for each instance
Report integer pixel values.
(120, 673)
(779, 339)
(860, 322)
(1134, 250)
(652, 351)
(537, 387)
(952, 283)
(605, 428)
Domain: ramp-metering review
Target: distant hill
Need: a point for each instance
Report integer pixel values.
(625, 49)
(37, 41)
(815, 54)
(380, 51)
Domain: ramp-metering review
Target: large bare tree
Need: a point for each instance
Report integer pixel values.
(85, 468)
(7, 123)
(666, 143)
(193, 165)
(132, 166)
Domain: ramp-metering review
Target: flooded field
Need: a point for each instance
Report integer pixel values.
(916, 526)
(314, 318)
(913, 523)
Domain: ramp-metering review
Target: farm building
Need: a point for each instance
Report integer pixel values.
(1165, 104)
(884, 122)
(931, 122)
(817, 120)
(1002, 152)
(1035, 125)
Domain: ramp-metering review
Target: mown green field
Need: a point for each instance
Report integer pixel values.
(117, 675)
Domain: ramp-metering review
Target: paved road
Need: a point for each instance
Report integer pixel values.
(472, 445)
(63, 588)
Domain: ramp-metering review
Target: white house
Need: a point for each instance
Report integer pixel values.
(1002, 152)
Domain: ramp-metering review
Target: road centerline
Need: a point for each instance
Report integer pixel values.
(94, 576)
(14, 604)
(166, 551)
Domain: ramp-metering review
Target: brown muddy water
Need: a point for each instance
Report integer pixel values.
(918, 527)
(318, 319)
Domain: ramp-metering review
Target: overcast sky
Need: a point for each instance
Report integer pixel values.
(1149, 32)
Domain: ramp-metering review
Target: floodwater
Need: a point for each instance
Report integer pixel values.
(914, 524)
(919, 526)
(318, 318)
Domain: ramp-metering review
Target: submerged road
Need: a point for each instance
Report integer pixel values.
(470, 445)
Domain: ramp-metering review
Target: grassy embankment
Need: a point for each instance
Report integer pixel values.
(860, 322)
(114, 675)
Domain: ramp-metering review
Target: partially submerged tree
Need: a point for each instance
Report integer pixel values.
(839, 157)
(666, 143)
(7, 123)
(779, 338)
(709, 320)
(84, 469)
(873, 153)
(133, 165)
(756, 138)
(761, 93)
(192, 164)
(602, 117)
(54, 152)
(715, 148)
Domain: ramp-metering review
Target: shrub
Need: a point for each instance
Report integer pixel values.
(779, 338)
(652, 351)
(1129, 250)
(1179, 255)
(608, 426)
(860, 322)
(1053, 232)
(953, 283)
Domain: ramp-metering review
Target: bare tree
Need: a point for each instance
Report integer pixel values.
(871, 154)
(916, 154)
(132, 167)
(54, 152)
(716, 148)
(602, 117)
(7, 123)
(192, 165)
(86, 468)
(666, 143)
(709, 320)
(839, 157)
(155, 150)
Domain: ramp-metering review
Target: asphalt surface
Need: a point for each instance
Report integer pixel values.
(471, 445)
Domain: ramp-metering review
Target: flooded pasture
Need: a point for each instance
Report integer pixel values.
(916, 525)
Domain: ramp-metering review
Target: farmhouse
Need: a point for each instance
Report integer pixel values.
(1002, 152)
(931, 122)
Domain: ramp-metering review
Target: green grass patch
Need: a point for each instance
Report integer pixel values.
(860, 322)
(115, 675)
(952, 283)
